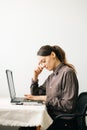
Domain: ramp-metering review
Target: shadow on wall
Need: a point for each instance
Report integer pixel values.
(8, 128)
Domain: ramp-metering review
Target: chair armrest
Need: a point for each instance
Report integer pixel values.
(68, 116)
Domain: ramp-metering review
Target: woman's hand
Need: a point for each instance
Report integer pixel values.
(34, 97)
(37, 71)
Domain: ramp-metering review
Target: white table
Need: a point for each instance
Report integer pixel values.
(23, 115)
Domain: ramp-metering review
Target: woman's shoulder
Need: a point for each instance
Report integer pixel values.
(66, 69)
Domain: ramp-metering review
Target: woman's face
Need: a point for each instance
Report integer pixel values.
(48, 62)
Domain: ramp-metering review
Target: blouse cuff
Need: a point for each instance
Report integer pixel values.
(34, 82)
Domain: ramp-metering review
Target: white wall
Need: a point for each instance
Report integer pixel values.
(26, 25)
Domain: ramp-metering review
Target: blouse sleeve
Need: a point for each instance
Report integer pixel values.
(36, 89)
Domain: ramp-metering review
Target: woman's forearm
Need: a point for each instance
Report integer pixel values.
(43, 98)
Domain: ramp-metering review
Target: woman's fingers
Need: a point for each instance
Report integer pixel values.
(27, 96)
(32, 97)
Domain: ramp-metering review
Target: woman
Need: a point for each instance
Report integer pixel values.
(60, 89)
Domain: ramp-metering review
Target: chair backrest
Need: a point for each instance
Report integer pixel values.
(82, 102)
(82, 108)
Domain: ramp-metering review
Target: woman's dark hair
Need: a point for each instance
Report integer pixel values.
(60, 53)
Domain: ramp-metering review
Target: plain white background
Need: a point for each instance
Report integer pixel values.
(26, 25)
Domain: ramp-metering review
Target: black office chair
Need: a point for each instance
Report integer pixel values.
(74, 121)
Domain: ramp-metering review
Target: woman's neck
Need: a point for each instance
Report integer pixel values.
(57, 63)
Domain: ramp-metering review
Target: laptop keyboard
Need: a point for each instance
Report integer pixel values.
(19, 99)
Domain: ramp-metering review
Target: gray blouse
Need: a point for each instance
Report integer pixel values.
(61, 88)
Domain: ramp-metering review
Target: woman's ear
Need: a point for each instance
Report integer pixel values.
(53, 54)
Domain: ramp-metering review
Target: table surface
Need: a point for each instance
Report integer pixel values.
(23, 115)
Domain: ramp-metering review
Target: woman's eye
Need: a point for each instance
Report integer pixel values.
(43, 61)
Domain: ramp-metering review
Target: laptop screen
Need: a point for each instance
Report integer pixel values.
(10, 84)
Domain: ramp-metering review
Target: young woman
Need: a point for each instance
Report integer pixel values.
(60, 89)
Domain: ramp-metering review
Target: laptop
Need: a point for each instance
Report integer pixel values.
(14, 99)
